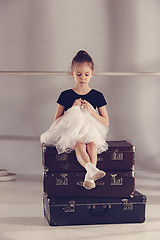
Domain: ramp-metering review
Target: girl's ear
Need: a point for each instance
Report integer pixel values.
(92, 73)
(72, 73)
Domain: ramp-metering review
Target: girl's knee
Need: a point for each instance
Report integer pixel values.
(79, 145)
(91, 144)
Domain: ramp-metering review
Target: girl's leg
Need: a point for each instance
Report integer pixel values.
(83, 159)
(92, 152)
(81, 153)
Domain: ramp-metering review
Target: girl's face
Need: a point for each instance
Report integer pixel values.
(82, 74)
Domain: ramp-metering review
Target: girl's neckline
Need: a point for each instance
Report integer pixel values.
(82, 94)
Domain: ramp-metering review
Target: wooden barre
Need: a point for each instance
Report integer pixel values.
(63, 73)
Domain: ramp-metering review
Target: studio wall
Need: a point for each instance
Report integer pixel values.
(120, 35)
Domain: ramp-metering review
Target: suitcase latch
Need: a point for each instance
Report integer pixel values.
(116, 155)
(62, 181)
(126, 205)
(115, 180)
(69, 208)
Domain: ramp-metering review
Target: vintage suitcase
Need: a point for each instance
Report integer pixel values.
(119, 156)
(76, 211)
(69, 184)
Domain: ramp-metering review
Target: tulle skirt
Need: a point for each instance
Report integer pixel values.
(77, 125)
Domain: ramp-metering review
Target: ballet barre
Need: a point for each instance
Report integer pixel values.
(19, 138)
(64, 73)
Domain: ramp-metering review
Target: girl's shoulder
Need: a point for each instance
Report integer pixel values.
(97, 92)
(67, 91)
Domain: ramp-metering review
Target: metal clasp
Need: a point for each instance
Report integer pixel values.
(63, 180)
(116, 155)
(70, 208)
(115, 180)
(126, 205)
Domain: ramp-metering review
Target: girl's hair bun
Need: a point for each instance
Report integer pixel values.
(81, 57)
(82, 52)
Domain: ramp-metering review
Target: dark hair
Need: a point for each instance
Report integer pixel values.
(81, 57)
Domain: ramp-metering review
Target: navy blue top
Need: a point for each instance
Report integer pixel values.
(94, 97)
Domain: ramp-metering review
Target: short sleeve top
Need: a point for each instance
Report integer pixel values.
(94, 97)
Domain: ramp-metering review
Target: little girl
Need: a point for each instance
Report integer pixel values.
(77, 126)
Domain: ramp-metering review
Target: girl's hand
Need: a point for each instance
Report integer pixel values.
(77, 102)
(87, 105)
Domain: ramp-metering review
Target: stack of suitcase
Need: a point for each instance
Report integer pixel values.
(113, 200)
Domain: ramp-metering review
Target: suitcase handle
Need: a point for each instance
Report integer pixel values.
(98, 210)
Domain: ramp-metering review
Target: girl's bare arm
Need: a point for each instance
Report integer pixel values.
(59, 112)
(102, 116)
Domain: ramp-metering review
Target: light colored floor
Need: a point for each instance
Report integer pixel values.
(21, 214)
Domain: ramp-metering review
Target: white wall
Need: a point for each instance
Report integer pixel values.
(120, 35)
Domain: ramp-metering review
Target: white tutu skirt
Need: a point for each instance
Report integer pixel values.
(77, 125)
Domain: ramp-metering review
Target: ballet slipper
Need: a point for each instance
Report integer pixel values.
(88, 182)
(100, 174)
(94, 172)
(89, 185)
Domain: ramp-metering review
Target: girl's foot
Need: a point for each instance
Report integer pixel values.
(94, 172)
(100, 174)
(89, 185)
(88, 182)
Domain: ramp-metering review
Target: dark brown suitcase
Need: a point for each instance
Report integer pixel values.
(69, 184)
(75, 211)
(119, 156)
